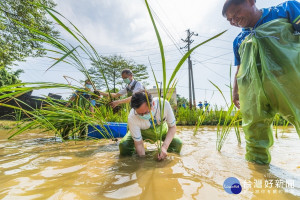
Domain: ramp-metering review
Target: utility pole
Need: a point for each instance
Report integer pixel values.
(159, 88)
(190, 69)
(193, 86)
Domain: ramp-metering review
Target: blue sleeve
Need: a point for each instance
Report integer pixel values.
(75, 94)
(292, 11)
(93, 102)
(237, 59)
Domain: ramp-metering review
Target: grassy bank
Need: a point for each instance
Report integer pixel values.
(186, 117)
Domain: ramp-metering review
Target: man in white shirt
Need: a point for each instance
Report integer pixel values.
(132, 87)
(141, 127)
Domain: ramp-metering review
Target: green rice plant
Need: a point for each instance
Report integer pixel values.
(54, 116)
(223, 132)
(229, 122)
(207, 115)
(237, 128)
(237, 123)
(167, 83)
(285, 125)
(275, 123)
(18, 115)
(201, 118)
(181, 116)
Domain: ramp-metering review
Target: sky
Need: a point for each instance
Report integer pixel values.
(119, 27)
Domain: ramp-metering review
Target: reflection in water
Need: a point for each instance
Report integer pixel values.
(143, 177)
(36, 166)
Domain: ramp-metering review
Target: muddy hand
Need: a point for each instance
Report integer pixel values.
(114, 104)
(163, 154)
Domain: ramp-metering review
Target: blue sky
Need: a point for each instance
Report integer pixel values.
(124, 28)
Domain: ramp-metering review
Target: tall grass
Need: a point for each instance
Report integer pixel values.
(66, 121)
(54, 116)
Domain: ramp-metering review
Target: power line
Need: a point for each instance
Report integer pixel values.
(217, 47)
(202, 89)
(212, 57)
(167, 32)
(216, 57)
(137, 50)
(216, 39)
(215, 63)
(168, 18)
(212, 70)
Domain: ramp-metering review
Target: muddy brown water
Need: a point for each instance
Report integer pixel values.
(38, 166)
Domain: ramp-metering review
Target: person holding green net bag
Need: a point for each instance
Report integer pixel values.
(142, 127)
(267, 56)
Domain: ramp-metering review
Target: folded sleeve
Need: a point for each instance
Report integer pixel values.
(169, 114)
(123, 91)
(134, 129)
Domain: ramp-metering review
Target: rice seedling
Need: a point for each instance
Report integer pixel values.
(237, 123)
(200, 120)
(229, 122)
(275, 123)
(285, 125)
(227, 125)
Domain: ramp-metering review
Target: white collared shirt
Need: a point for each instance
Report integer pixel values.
(136, 124)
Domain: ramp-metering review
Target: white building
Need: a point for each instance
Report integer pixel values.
(153, 91)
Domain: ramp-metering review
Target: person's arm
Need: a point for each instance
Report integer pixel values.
(139, 147)
(171, 121)
(71, 99)
(113, 95)
(136, 134)
(164, 148)
(121, 101)
(292, 10)
(235, 92)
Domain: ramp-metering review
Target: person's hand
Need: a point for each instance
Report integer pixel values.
(236, 98)
(163, 154)
(114, 104)
(97, 92)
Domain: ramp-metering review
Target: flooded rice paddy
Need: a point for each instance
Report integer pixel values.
(38, 166)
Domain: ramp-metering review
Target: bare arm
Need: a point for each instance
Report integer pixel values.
(71, 100)
(113, 95)
(170, 135)
(235, 92)
(121, 101)
(139, 147)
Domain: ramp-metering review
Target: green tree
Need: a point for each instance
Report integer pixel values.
(8, 77)
(112, 67)
(182, 100)
(16, 42)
